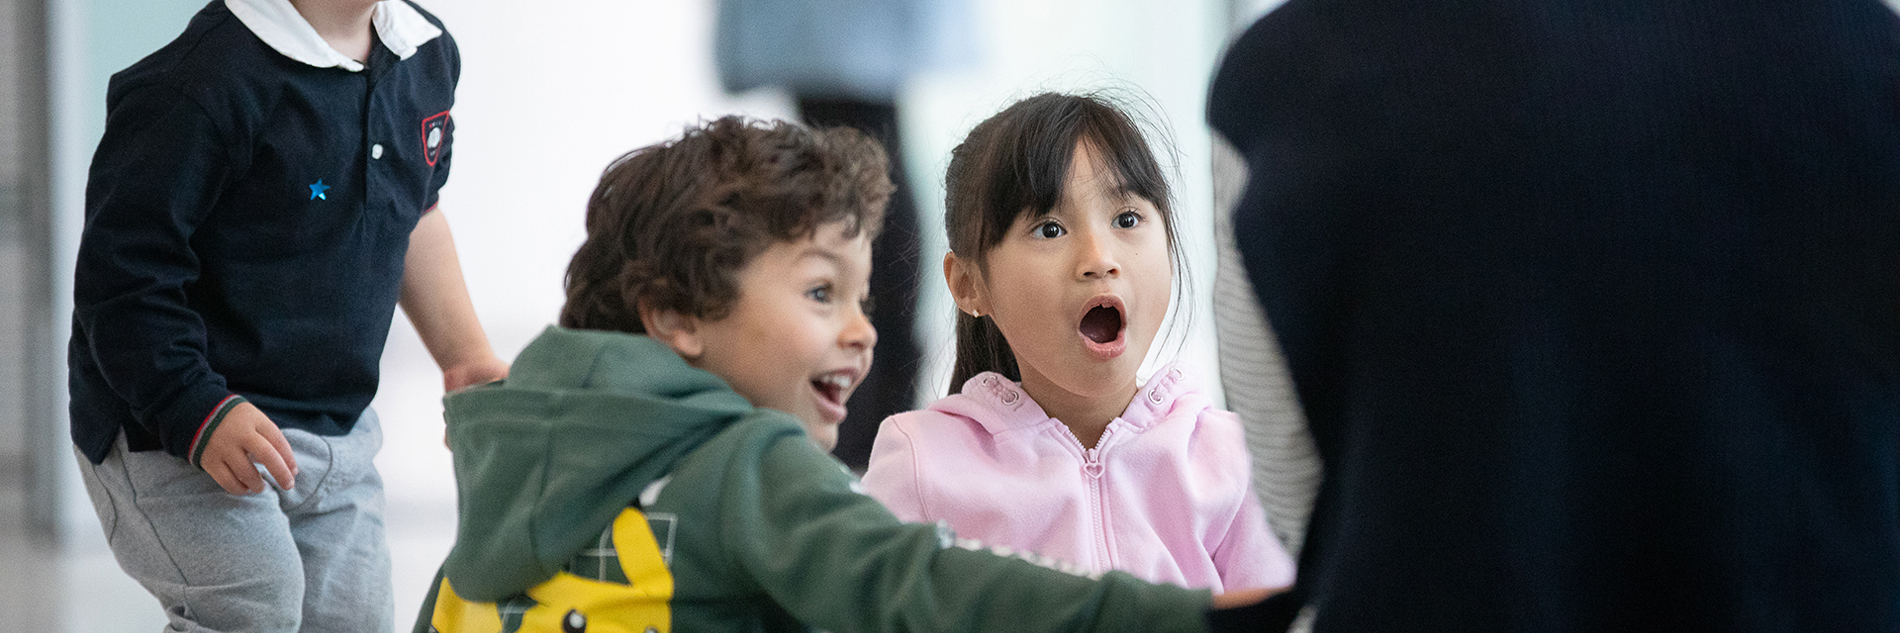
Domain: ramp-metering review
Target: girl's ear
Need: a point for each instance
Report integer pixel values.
(966, 285)
(676, 330)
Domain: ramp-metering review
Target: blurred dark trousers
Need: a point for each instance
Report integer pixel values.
(891, 385)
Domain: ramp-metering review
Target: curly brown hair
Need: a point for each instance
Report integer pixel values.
(672, 224)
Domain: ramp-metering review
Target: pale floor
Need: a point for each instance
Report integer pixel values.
(80, 589)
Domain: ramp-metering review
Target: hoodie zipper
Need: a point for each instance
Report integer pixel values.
(1093, 470)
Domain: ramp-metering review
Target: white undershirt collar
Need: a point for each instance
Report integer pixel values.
(400, 27)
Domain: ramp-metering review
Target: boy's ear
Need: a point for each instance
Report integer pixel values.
(966, 285)
(676, 330)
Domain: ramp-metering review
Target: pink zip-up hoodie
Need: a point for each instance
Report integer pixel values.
(1166, 494)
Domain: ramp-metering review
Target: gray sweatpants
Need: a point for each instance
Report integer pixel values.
(312, 558)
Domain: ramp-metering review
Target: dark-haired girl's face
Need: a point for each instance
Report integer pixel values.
(1079, 291)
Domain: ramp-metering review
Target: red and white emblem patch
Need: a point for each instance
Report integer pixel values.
(435, 137)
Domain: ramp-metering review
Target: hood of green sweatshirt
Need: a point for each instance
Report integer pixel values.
(547, 458)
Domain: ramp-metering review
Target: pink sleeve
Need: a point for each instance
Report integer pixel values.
(891, 477)
(1251, 557)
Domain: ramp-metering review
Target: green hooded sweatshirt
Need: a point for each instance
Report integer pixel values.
(598, 439)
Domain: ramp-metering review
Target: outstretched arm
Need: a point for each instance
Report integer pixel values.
(837, 560)
(436, 300)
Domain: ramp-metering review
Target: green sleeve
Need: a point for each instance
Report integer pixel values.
(426, 618)
(802, 529)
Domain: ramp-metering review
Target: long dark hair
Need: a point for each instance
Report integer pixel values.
(1014, 165)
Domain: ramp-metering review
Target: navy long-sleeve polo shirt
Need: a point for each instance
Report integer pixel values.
(247, 216)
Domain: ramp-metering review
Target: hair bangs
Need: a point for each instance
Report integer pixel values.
(1015, 165)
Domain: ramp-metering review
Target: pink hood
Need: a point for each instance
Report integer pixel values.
(1165, 495)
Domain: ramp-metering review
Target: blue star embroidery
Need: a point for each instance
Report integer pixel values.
(316, 190)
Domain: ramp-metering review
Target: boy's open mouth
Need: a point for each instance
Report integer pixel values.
(1102, 325)
(833, 387)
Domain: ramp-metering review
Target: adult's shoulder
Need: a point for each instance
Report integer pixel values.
(1305, 56)
(1285, 40)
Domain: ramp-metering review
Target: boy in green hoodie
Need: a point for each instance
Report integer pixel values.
(659, 463)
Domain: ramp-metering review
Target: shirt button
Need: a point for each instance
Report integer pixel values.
(376, 151)
(1009, 397)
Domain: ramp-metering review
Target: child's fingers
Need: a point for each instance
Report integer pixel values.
(267, 453)
(277, 441)
(1244, 597)
(223, 476)
(243, 473)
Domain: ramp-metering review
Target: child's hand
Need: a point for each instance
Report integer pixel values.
(480, 371)
(1241, 598)
(1244, 610)
(248, 437)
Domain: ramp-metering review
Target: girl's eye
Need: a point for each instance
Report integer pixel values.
(1049, 230)
(821, 294)
(1127, 220)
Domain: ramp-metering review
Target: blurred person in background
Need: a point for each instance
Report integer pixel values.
(844, 62)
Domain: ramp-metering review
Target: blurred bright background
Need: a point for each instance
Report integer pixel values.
(551, 91)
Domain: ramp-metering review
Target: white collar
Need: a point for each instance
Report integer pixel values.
(400, 27)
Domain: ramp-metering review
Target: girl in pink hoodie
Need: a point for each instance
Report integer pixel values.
(1062, 263)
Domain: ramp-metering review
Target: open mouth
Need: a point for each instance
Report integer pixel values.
(833, 387)
(1102, 326)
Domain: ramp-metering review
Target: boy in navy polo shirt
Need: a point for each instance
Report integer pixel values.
(262, 199)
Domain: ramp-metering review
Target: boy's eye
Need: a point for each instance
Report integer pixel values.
(1049, 229)
(1127, 220)
(821, 294)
